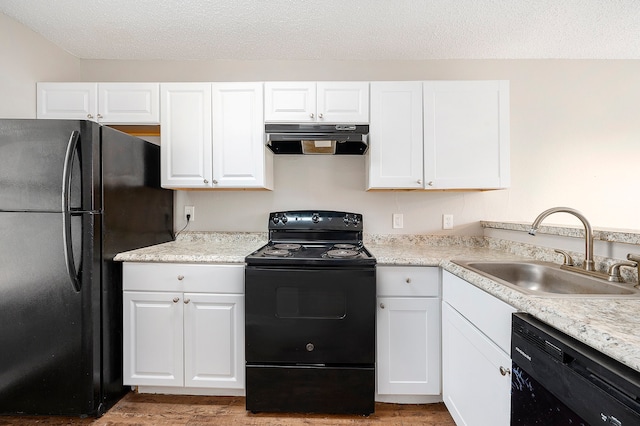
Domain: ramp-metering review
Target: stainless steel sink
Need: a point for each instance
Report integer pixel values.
(547, 279)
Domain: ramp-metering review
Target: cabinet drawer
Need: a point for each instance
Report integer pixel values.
(408, 281)
(183, 277)
(489, 314)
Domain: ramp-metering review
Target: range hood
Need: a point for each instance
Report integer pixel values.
(340, 139)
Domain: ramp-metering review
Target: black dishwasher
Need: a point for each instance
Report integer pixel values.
(558, 380)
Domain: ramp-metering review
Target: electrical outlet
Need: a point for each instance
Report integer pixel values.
(447, 221)
(398, 221)
(191, 211)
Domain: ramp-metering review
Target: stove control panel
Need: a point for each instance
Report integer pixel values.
(322, 220)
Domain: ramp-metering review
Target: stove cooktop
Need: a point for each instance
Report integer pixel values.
(278, 253)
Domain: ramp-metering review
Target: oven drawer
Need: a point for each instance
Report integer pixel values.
(310, 316)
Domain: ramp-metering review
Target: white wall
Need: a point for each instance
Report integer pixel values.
(575, 137)
(25, 58)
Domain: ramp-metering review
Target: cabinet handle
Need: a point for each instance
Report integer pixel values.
(215, 182)
(180, 277)
(206, 181)
(311, 115)
(187, 301)
(99, 115)
(320, 116)
(430, 183)
(505, 371)
(419, 181)
(382, 305)
(176, 299)
(89, 116)
(408, 280)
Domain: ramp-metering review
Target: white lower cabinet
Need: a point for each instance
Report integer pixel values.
(189, 340)
(408, 334)
(476, 365)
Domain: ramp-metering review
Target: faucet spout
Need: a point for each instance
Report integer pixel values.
(589, 264)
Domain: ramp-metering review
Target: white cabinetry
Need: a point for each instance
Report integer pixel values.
(408, 333)
(476, 365)
(107, 103)
(463, 141)
(184, 328)
(212, 136)
(466, 134)
(395, 136)
(328, 102)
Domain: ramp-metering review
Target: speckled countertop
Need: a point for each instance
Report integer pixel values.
(610, 325)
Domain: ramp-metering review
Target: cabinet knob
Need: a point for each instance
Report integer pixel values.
(408, 280)
(180, 277)
(320, 116)
(505, 371)
(430, 183)
(89, 116)
(187, 301)
(419, 181)
(176, 299)
(382, 306)
(311, 115)
(206, 181)
(99, 115)
(215, 182)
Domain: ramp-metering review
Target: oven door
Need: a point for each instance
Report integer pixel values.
(310, 316)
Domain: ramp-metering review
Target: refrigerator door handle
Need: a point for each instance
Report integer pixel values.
(72, 147)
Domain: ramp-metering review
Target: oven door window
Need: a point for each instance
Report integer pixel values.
(313, 303)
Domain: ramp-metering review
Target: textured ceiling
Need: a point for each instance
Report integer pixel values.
(335, 29)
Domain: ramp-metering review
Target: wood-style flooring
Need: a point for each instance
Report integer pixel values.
(143, 409)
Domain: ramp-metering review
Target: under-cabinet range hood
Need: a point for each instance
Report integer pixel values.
(317, 138)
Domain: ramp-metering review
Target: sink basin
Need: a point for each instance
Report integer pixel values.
(547, 279)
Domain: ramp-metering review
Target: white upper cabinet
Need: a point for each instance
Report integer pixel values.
(466, 134)
(463, 141)
(395, 136)
(212, 136)
(326, 102)
(186, 135)
(107, 103)
(240, 159)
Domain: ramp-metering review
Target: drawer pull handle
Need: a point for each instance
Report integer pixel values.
(505, 371)
(176, 299)
(180, 277)
(408, 280)
(382, 306)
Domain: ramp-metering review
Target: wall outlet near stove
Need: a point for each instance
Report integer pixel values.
(398, 221)
(191, 211)
(447, 221)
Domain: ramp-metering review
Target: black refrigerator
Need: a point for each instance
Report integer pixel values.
(72, 195)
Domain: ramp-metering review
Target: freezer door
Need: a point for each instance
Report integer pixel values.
(42, 159)
(47, 327)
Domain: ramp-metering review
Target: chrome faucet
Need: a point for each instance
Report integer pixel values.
(589, 264)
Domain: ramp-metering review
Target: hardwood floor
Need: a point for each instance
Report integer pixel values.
(141, 409)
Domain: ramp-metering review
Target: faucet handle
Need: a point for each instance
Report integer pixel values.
(614, 270)
(568, 260)
(633, 257)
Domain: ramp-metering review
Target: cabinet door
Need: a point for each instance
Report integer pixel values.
(153, 338)
(214, 340)
(343, 102)
(129, 103)
(290, 101)
(73, 101)
(408, 341)
(473, 387)
(466, 134)
(186, 135)
(240, 159)
(395, 136)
